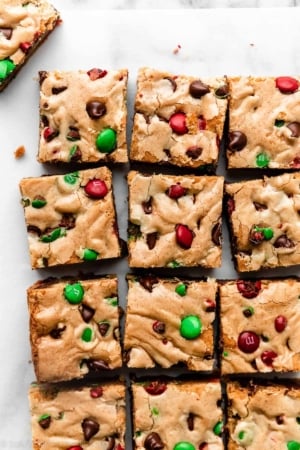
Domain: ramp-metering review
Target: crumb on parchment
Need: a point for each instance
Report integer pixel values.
(176, 49)
(19, 152)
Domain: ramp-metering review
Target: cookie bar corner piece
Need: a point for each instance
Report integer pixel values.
(83, 116)
(178, 119)
(24, 25)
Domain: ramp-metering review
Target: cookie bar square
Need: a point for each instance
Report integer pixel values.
(174, 220)
(74, 418)
(178, 119)
(259, 330)
(170, 321)
(83, 116)
(24, 25)
(265, 222)
(74, 327)
(70, 218)
(177, 415)
(263, 416)
(264, 123)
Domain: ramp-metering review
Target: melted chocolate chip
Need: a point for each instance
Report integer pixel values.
(295, 129)
(237, 141)
(89, 427)
(73, 134)
(34, 229)
(280, 419)
(259, 206)
(190, 421)
(95, 109)
(151, 240)
(283, 242)
(7, 32)
(198, 89)
(148, 281)
(153, 441)
(216, 234)
(58, 90)
(147, 206)
(87, 313)
(103, 328)
(67, 221)
(57, 332)
(194, 152)
(173, 83)
(222, 91)
(96, 365)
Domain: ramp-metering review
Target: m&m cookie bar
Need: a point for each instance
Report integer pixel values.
(263, 416)
(178, 119)
(24, 25)
(174, 220)
(264, 121)
(83, 116)
(265, 222)
(70, 218)
(77, 418)
(259, 330)
(170, 321)
(181, 415)
(74, 327)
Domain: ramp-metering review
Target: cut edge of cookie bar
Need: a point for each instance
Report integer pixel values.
(70, 218)
(170, 131)
(49, 19)
(80, 336)
(77, 415)
(177, 414)
(256, 406)
(185, 227)
(170, 322)
(258, 332)
(255, 242)
(264, 127)
(92, 130)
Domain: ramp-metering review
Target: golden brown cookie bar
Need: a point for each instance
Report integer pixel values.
(70, 218)
(177, 415)
(170, 321)
(263, 417)
(24, 25)
(178, 119)
(265, 222)
(174, 220)
(78, 418)
(83, 116)
(259, 325)
(264, 122)
(74, 327)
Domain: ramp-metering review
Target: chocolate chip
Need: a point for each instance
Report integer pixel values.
(222, 91)
(42, 76)
(67, 221)
(190, 421)
(283, 242)
(148, 281)
(173, 83)
(95, 109)
(159, 327)
(153, 441)
(295, 129)
(57, 332)
(87, 313)
(237, 141)
(89, 427)
(198, 89)
(73, 134)
(111, 443)
(151, 239)
(96, 365)
(259, 206)
(216, 234)
(203, 446)
(280, 419)
(44, 120)
(147, 206)
(58, 90)
(7, 32)
(103, 328)
(194, 152)
(34, 229)
(167, 152)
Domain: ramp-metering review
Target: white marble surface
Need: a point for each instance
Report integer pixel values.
(213, 42)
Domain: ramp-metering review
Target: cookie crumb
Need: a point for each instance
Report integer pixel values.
(19, 152)
(176, 49)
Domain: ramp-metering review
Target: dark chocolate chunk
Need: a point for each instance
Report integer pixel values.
(58, 90)
(89, 427)
(151, 240)
(237, 141)
(283, 242)
(194, 152)
(103, 328)
(190, 421)
(198, 89)
(148, 281)
(222, 91)
(95, 109)
(57, 332)
(153, 441)
(87, 313)
(67, 221)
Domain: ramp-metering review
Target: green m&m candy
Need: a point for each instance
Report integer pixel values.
(181, 289)
(106, 140)
(262, 160)
(184, 445)
(6, 67)
(89, 254)
(190, 327)
(293, 445)
(74, 293)
(218, 428)
(38, 202)
(71, 178)
(87, 335)
(268, 233)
